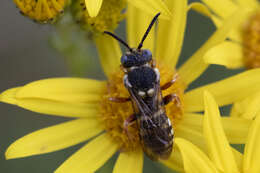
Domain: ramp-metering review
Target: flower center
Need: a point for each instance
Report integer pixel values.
(251, 40)
(42, 11)
(107, 19)
(114, 114)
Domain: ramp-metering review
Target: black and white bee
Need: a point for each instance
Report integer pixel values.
(142, 80)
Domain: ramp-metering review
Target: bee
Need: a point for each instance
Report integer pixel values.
(142, 80)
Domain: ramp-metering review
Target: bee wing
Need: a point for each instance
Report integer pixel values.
(156, 140)
(140, 106)
(155, 106)
(154, 131)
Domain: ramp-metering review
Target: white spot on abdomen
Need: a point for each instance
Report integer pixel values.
(141, 93)
(150, 92)
(169, 122)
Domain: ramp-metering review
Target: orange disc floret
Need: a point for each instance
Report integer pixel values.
(251, 42)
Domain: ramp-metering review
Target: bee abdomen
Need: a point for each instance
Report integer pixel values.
(157, 135)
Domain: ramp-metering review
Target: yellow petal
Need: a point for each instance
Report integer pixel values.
(238, 158)
(90, 157)
(223, 8)
(252, 150)
(9, 96)
(247, 108)
(192, 120)
(218, 147)
(77, 90)
(195, 65)
(190, 128)
(227, 91)
(50, 107)
(93, 7)
(152, 6)
(137, 24)
(109, 53)
(70, 90)
(228, 54)
(248, 3)
(194, 159)
(54, 138)
(60, 108)
(171, 33)
(190, 134)
(175, 160)
(200, 8)
(236, 129)
(238, 108)
(129, 162)
(235, 34)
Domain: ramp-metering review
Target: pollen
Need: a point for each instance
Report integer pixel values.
(251, 42)
(42, 11)
(109, 16)
(114, 114)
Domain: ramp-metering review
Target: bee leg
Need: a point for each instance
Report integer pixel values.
(172, 97)
(119, 99)
(153, 63)
(170, 83)
(128, 122)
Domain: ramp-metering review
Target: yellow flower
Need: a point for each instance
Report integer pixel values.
(87, 99)
(94, 14)
(244, 38)
(151, 6)
(98, 16)
(243, 48)
(42, 11)
(221, 156)
(104, 15)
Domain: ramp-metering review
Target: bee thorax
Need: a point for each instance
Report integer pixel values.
(142, 78)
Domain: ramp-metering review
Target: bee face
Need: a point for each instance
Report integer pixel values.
(136, 58)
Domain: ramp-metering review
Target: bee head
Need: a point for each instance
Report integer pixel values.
(136, 58)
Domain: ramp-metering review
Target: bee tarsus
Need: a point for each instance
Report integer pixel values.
(128, 122)
(170, 83)
(172, 98)
(119, 99)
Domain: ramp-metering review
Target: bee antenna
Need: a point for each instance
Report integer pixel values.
(148, 30)
(118, 39)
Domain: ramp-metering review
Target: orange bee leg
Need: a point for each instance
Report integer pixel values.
(119, 99)
(172, 97)
(170, 83)
(153, 63)
(128, 122)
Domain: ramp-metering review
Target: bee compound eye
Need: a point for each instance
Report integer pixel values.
(147, 54)
(129, 60)
(123, 59)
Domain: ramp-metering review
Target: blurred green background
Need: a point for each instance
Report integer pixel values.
(27, 54)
